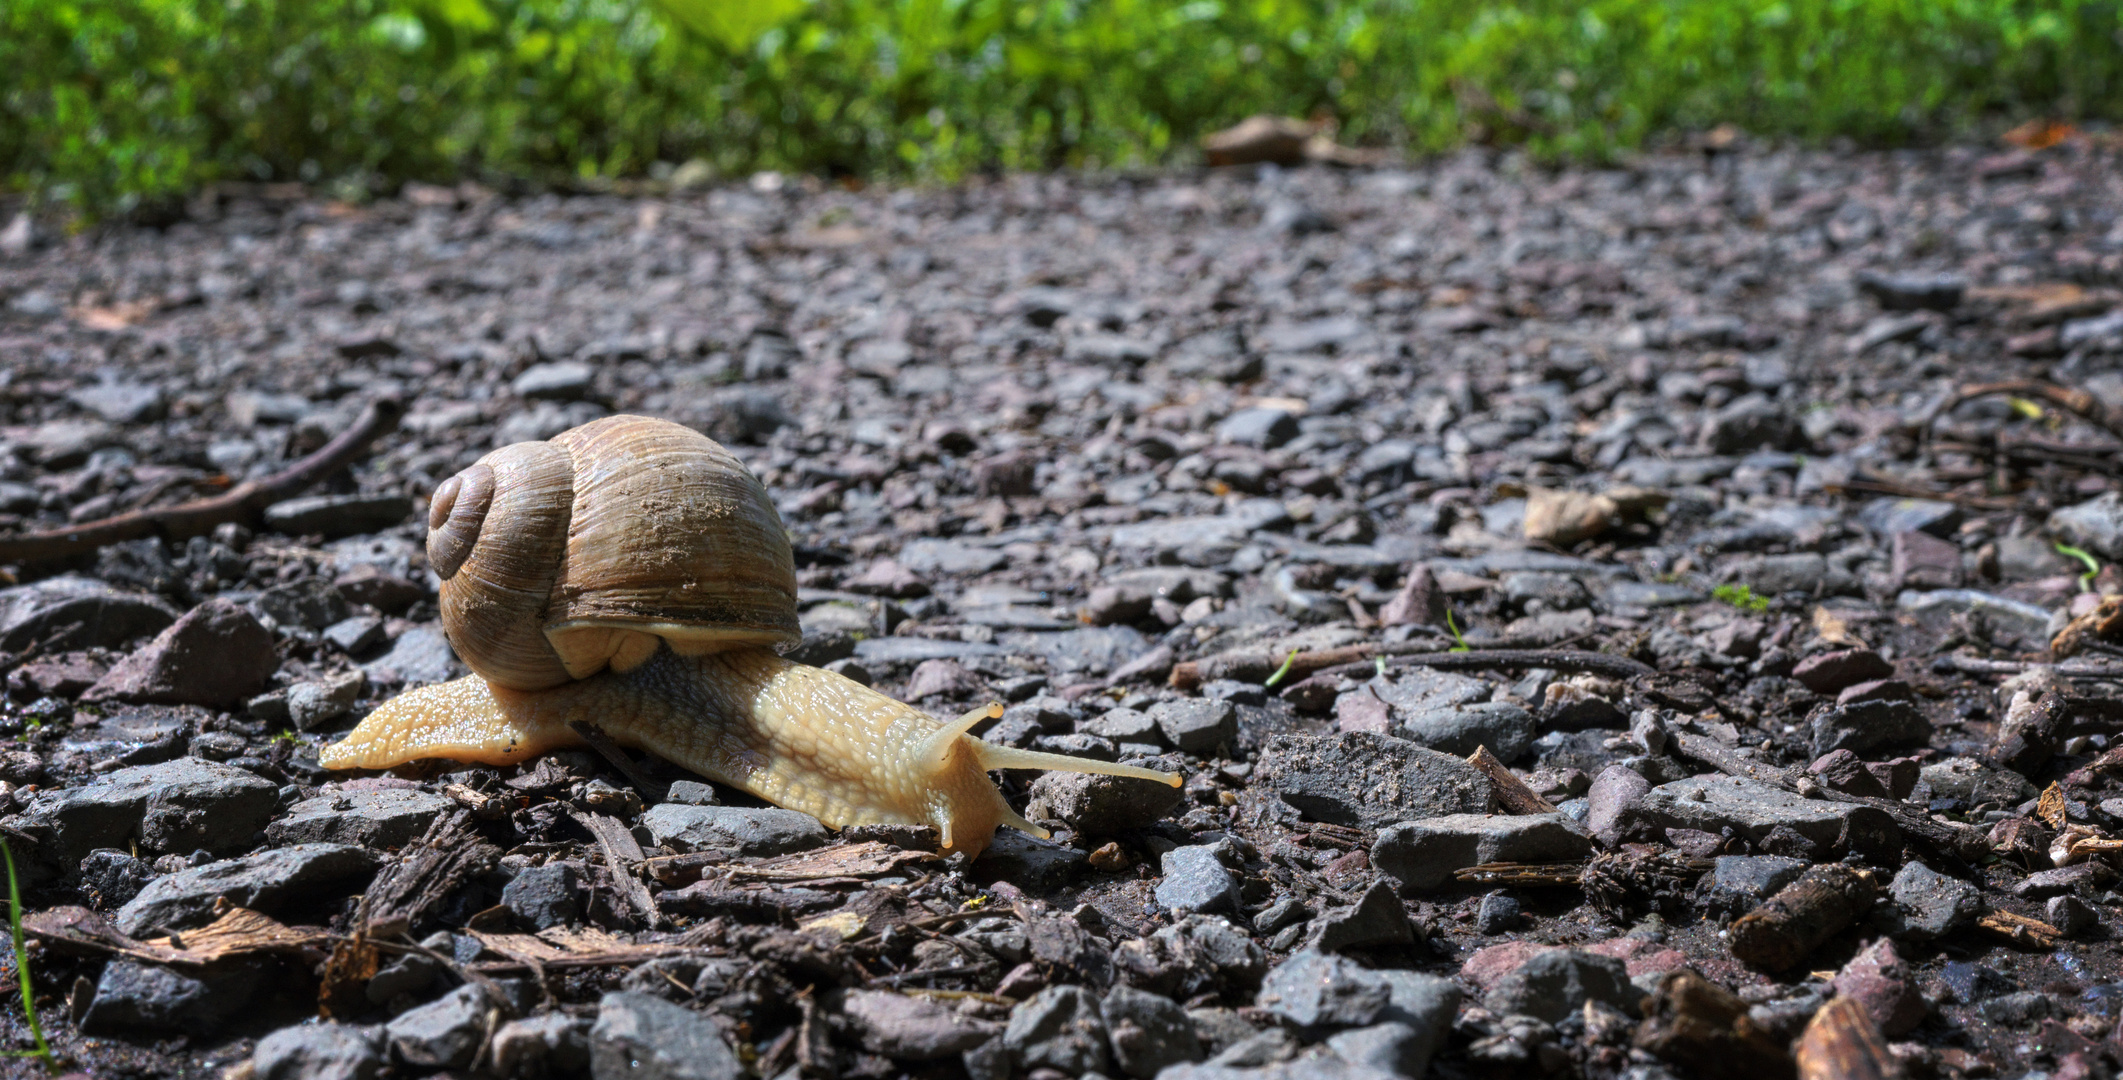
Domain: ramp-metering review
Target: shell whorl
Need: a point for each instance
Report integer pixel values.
(595, 548)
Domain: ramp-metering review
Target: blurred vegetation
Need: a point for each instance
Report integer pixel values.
(106, 103)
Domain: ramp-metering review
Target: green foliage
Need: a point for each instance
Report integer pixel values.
(43, 1052)
(1742, 597)
(1459, 642)
(106, 103)
(2086, 559)
(1283, 672)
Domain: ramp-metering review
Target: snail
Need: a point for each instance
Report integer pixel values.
(632, 574)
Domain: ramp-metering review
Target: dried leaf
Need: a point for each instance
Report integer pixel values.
(2051, 806)
(1832, 629)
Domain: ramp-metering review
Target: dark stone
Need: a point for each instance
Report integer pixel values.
(1196, 725)
(217, 654)
(1927, 904)
(544, 896)
(177, 806)
(110, 878)
(1498, 914)
(324, 1051)
(912, 1029)
(1864, 725)
(1556, 983)
(442, 1034)
(639, 1037)
(336, 516)
(133, 997)
(70, 612)
(1148, 1032)
(742, 830)
(1314, 990)
(390, 818)
(263, 882)
(1196, 880)
(1830, 672)
(1061, 1028)
(1101, 805)
(1378, 918)
(1367, 780)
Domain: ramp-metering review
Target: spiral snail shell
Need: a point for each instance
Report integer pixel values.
(632, 573)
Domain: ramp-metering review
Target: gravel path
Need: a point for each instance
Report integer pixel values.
(1763, 598)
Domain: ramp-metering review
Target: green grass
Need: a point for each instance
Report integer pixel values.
(43, 1052)
(2086, 559)
(1742, 597)
(109, 103)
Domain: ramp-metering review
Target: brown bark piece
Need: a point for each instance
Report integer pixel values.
(1842, 1043)
(1511, 792)
(1703, 1027)
(1801, 917)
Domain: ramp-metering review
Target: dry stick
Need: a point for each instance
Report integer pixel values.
(2070, 669)
(1946, 840)
(243, 504)
(2080, 402)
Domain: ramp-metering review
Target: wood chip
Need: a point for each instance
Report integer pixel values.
(238, 932)
(1842, 1043)
(2020, 930)
(563, 946)
(867, 859)
(1512, 794)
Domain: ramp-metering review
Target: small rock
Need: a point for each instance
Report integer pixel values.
(1028, 862)
(1564, 518)
(390, 818)
(1419, 603)
(121, 403)
(1314, 990)
(356, 634)
(1928, 904)
(1196, 880)
(1751, 422)
(216, 655)
(1101, 805)
(1148, 1032)
(1556, 983)
(2068, 914)
(912, 1029)
(1740, 883)
(1369, 781)
(1378, 918)
(1422, 855)
(1612, 802)
(1912, 292)
(263, 882)
(442, 1034)
(942, 678)
(324, 1051)
(1882, 985)
(1266, 428)
(1864, 725)
(133, 997)
(1009, 474)
(176, 806)
(315, 703)
(640, 1037)
(1712, 804)
(567, 380)
(2096, 525)
(2022, 1009)
(1499, 914)
(336, 516)
(420, 656)
(1504, 728)
(544, 896)
(742, 830)
(2044, 884)
(1923, 561)
(72, 612)
(1843, 771)
(1830, 672)
(552, 1044)
(1196, 725)
(1061, 1028)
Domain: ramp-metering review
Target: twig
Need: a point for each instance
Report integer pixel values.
(2070, 669)
(1911, 491)
(243, 504)
(1511, 792)
(2080, 402)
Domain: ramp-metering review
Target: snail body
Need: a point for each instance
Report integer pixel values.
(631, 574)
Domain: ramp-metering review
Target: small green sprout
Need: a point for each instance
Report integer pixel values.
(29, 1004)
(1380, 663)
(2093, 565)
(1289, 662)
(1459, 642)
(1742, 597)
